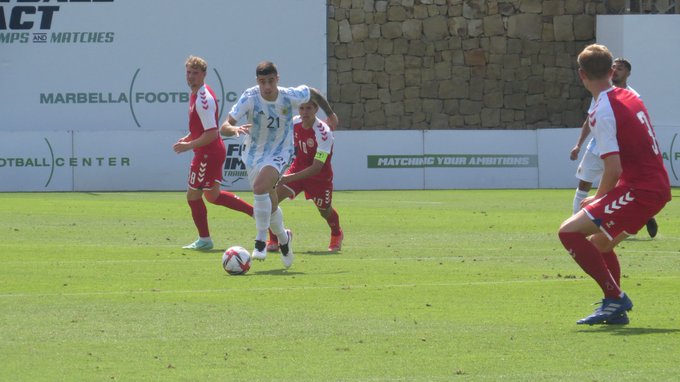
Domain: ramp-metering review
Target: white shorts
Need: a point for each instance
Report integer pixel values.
(280, 163)
(591, 167)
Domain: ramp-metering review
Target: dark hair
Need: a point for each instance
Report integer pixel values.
(265, 68)
(624, 62)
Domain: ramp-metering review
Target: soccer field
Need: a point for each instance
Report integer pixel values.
(469, 285)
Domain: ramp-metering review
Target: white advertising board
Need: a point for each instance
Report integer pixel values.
(36, 161)
(669, 143)
(435, 159)
(119, 64)
(481, 159)
(555, 169)
(357, 155)
(362, 160)
(104, 161)
(143, 160)
(650, 43)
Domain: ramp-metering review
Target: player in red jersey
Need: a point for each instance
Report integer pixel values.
(634, 186)
(205, 174)
(311, 171)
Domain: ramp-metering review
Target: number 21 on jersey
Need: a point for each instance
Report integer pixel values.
(273, 123)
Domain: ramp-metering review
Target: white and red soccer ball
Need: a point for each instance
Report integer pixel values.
(236, 260)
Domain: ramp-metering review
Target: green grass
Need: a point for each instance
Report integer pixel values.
(430, 286)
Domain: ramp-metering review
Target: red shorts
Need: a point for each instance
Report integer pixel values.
(206, 170)
(321, 192)
(624, 210)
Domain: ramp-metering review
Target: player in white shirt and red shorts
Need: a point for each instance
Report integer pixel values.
(311, 171)
(634, 185)
(268, 148)
(205, 174)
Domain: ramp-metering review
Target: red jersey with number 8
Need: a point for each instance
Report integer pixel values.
(203, 117)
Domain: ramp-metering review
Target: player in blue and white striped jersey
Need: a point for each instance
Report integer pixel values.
(269, 147)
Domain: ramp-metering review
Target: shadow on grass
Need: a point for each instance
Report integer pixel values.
(185, 251)
(628, 330)
(277, 272)
(321, 253)
(637, 238)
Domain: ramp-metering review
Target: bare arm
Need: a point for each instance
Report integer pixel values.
(610, 176)
(229, 128)
(184, 138)
(205, 138)
(312, 170)
(320, 100)
(585, 131)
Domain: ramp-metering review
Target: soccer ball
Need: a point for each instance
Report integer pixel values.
(236, 260)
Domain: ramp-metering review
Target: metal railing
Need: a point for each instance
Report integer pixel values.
(652, 7)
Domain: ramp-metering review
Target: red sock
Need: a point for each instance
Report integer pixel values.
(200, 215)
(333, 221)
(229, 200)
(613, 265)
(591, 261)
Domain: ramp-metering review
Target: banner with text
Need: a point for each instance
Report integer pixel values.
(362, 160)
(119, 64)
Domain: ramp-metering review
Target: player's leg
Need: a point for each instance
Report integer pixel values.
(617, 215)
(284, 237)
(283, 192)
(214, 194)
(333, 220)
(229, 200)
(591, 260)
(606, 248)
(574, 234)
(589, 170)
(604, 245)
(580, 194)
(199, 212)
(264, 181)
(323, 200)
(321, 193)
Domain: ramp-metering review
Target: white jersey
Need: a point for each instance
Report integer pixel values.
(592, 144)
(271, 133)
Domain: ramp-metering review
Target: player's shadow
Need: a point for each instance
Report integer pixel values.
(637, 238)
(184, 251)
(619, 330)
(322, 253)
(278, 272)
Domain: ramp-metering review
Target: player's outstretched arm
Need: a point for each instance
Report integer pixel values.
(585, 131)
(320, 100)
(229, 128)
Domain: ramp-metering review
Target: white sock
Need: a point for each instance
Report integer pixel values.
(277, 226)
(578, 197)
(262, 209)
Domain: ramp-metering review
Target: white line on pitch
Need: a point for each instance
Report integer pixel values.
(287, 288)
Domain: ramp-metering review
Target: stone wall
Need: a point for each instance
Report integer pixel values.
(442, 64)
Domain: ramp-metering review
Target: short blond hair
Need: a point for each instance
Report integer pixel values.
(595, 61)
(196, 62)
